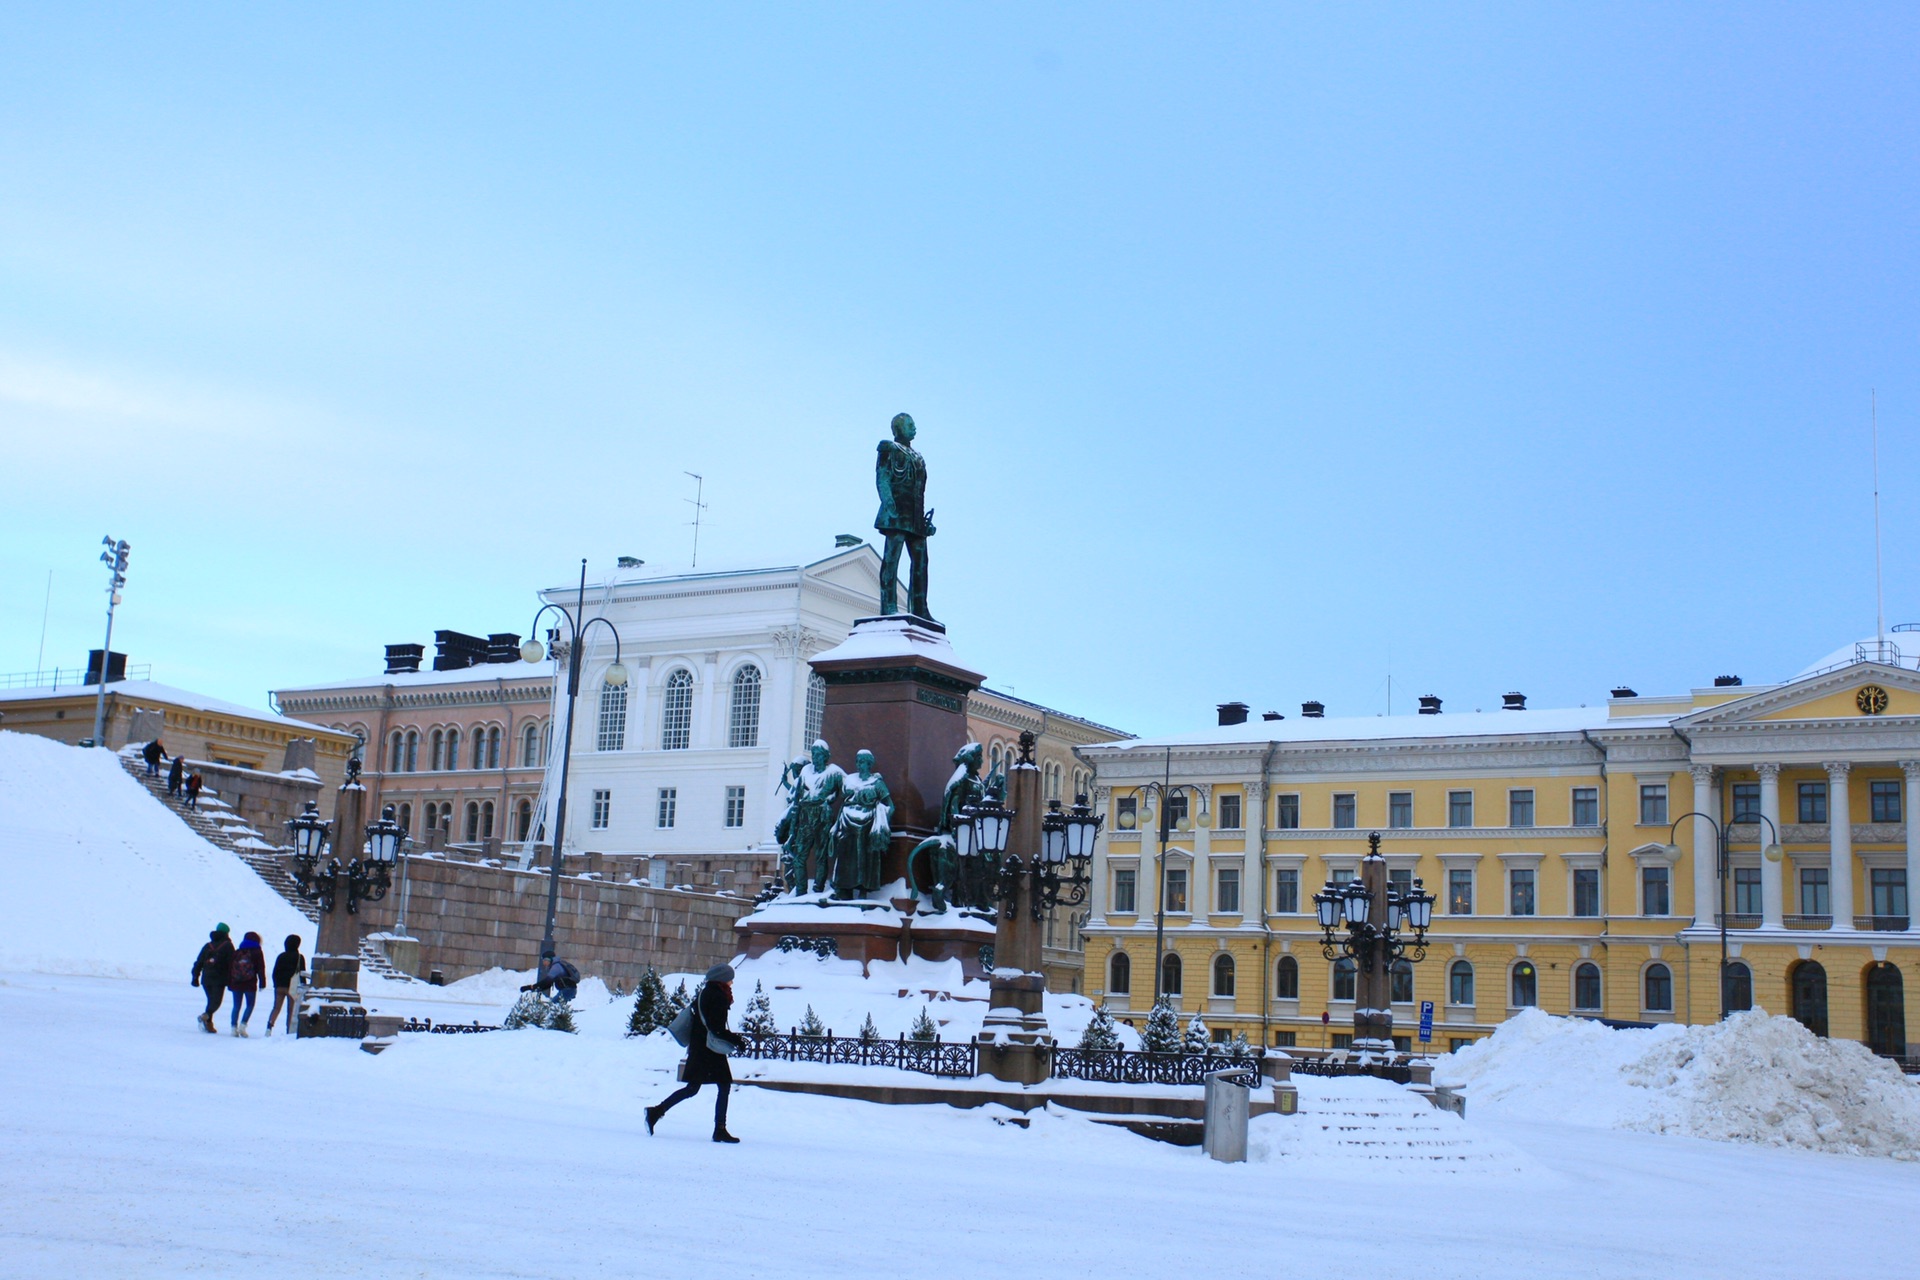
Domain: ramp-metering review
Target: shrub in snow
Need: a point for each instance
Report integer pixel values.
(924, 1029)
(1100, 1034)
(1197, 1039)
(869, 1034)
(534, 1010)
(560, 1018)
(811, 1024)
(651, 1008)
(680, 999)
(1163, 1029)
(757, 1023)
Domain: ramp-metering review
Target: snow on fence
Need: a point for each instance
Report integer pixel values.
(446, 1028)
(1131, 1066)
(929, 1057)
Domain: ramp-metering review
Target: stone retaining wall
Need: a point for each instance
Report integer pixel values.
(471, 917)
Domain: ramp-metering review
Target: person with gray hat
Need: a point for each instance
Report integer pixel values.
(708, 1043)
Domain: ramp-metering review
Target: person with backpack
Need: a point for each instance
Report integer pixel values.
(211, 969)
(176, 777)
(708, 1043)
(559, 977)
(286, 968)
(153, 753)
(247, 979)
(194, 784)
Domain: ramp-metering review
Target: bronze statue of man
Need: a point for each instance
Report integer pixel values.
(901, 476)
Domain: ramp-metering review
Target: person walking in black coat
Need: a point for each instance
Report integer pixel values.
(153, 753)
(211, 969)
(704, 1064)
(193, 789)
(176, 777)
(289, 966)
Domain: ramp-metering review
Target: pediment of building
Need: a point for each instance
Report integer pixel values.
(1871, 695)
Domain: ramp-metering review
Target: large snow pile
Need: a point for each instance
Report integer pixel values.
(1752, 1078)
(98, 877)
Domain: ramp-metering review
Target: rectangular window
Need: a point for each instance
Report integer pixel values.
(1520, 808)
(1343, 1039)
(1885, 795)
(1459, 808)
(1343, 810)
(1286, 890)
(602, 809)
(1286, 813)
(1746, 891)
(1456, 1043)
(1283, 1039)
(1520, 892)
(1400, 809)
(1746, 802)
(1586, 806)
(1125, 886)
(1400, 879)
(1174, 810)
(669, 804)
(1126, 814)
(1229, 813)
(736, 806)
(1586, 891)
(1176, 891)
(1226, 891)
(1654, 899)
(1340, 875)
(1888, 887)
(1653, 804)
(1459, 892)
(1813, 802)
(1813, 892)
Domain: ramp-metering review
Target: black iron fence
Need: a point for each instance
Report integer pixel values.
(929, 1057)
(446, 1028)
(1129, 1066)
(1399, 1072)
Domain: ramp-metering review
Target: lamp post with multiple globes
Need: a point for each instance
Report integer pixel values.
(1376, 917)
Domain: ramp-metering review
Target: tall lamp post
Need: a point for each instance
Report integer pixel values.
(616, 677)
(1164, 793)
(1376, 916)
(115, 558)
(320, 875)
(1723, 838)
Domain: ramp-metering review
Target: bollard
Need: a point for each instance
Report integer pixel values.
(1228, 1103)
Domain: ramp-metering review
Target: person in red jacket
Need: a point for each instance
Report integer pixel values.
(246, 979)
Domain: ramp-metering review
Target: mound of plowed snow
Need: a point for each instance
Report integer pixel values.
(98, 877)
(1752, 1078)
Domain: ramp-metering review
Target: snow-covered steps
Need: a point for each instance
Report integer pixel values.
(1367, 1123)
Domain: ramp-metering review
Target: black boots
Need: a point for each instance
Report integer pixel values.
(721, 1135)
(653, 1118)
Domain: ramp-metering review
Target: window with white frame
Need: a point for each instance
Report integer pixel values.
(1229, 812)
(1586, 986)
(1459, 808)
(1286, 979)
(1223, 975)
(1586, 891)
(1345, 807)
(1286, 890)
(1176, 890)
(1119, 974)
(676, 712)
(1656, 885)
(1520, 807)
(1525, 984)
(1520, 886)
(1343, 978)
(1460, 891)
(1400, 982)
(667, 806)
(1460, 983)
(816, 707)
(1125, 891)
(530, 746)
(1226, 891)
(1653, 804)
(602, 810)
(1586, 806)
(736, 807)
(743, 715)
(1400, 809)
(612, 734)
(1286, 813)
(1657, 989)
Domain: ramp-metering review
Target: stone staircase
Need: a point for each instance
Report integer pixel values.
(1371, 1122)
(215, 822)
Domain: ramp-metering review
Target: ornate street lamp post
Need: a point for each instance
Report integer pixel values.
(1375, 917)
(320, 876)
(1169, 795)
(616, 676)
(1723, 839)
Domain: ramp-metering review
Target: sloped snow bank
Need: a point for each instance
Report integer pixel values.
(97, 877)
(1752, 1078)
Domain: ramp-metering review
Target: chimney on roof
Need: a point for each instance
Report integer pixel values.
(842, 540)
(1271, 715)
(1514, 702)
(404, 659)
(503, 646)
(456, 651)
(1313, 710)
(1233, 713)
(1622, 691)
(1429, 705)
(629, 562)
(1726, 682)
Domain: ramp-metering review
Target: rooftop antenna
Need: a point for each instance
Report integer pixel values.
(699, 487)
(1879, 590)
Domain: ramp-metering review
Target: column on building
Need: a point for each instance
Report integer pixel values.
(710, 709)
(1772, 874)
(1839, 845)
(1910, 814)
(1706, 851)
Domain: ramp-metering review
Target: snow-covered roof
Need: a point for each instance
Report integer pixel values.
(1473, 724)
(163, 694)
(485, 673)
(670, 571)
(1895, 649)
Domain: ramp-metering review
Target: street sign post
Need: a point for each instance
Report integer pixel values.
(1426, 1022)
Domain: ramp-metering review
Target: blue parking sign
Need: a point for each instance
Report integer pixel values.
(1426, 1022)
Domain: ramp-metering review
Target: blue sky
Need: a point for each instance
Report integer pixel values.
(1256, 351)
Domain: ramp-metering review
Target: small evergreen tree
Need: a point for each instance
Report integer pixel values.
(1163, 1029)
(1240, 1050)
(651, 1008)
(757, 1023)
(1197, 1040)
(811, 1024)
(560, 1017)
(869, 1034)
(680, 999)
(531, 1010)
(1100, 1033)
(924, 1029)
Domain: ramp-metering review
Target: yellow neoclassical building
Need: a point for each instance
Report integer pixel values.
(1545, 837)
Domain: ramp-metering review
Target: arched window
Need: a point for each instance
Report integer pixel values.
(453, 748)
(1400, 982)
(1586, 986)
(1286, 979)
(1119, 974)
(1460, 983)
(1657, 989)
(993, 759)
(1223, 975)
(406, 818)
(526, 820)
(530, 747)
(446, 817)
(743, 716)
(1738, 996)
(1526, 986)
(676, 712)
(1343, 978)
(486, 820)
(413, 750)
(479, 748)
(816, 707)
(612, 735)
(439, 750)
(473, 822)
(1170, 974)
(393, 765)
